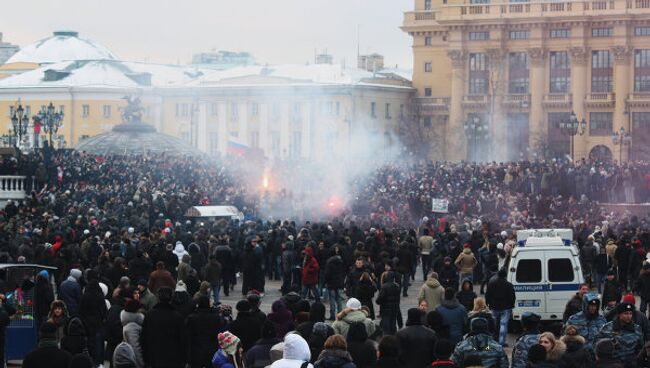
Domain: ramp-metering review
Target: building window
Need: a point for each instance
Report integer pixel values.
(519, 35)
(107, 111)
(185, 109)
(214, 143)
(255, 109)
(600, 124)
(601, 71)
(428, 40)
(234, 112)
(642, 70)
(387, 111)
(479, 36)
(560, 72)
(338, 108)
(518, 72)
(642, 31)
(427, 92)
(255, 139)
(426, 121)
(560, 33)
(12, 110)
(427, 68)
(401, 111)
(296, 144)
(478, 74)
(602, 32)
(85, 110)
(427, 4)
(275, 143)
(214, 109)
(479, 2)
(373, 109)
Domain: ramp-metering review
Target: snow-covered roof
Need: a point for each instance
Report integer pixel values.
(102, 73)
(332, 74)
(63, 45)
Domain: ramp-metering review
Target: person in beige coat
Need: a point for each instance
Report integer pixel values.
(466, 263)
(432, 292)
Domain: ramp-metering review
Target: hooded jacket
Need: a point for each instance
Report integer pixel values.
(466, 261)
(575, 355)
(362, 350)
(588, 325)
(432, 292)
(628, 339)
(124, 356)
(281, 317)
(296, 352)
(454, 316)
(179, 251)
(347, 317)
(466, 297)
(310, 269)
(202, 329)
(132, 330)
(416, 344)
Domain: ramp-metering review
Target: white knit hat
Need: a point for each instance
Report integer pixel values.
(353, 303)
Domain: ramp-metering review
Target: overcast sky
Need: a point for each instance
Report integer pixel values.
(170, 31)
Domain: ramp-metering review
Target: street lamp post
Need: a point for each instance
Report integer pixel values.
(476, 132)
(573, 127)
(51, 120)
(621, 138)
(20, 123)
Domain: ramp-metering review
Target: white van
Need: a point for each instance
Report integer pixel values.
(545, 271)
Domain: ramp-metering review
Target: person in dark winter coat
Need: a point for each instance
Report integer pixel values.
(442, 352)
(361, 348)
(75, 339)
(113, 327)
(500, 297)
(588, 322)
(574, 305)
(435, 322)
(47, 354)
(160, 278)
(625, 333)
(70, 292)
(466, 295)
(258, 356)
(281, 317)
(335, 354)
(202, 328)
(319, 335)
(453, 315)
(416, 341)
(93, 312)
(366, 290)
(316, 314)
(642, 287)
(182, 302)
(605, 355)
(223, 254)
(334, 280)
(530, 337)
(612, 290)
(6, 311)
(212, 274)
(480, 342)
(643, 359)
(246, 326)
(388, 301)
(163, 335)
(44, 297)
(388, 353)
(575, 355)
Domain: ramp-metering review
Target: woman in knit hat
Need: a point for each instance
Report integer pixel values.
(230, 352)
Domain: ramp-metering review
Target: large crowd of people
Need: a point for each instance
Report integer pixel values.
(138, 284)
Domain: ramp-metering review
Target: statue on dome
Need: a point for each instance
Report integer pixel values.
(132, 112)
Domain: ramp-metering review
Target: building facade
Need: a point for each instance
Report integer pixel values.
(282, 111)
(500, 80)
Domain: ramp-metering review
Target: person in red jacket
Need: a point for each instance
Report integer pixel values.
(310, 271)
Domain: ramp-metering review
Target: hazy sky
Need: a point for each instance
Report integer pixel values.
(170, 31)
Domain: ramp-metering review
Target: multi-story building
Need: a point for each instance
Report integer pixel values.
(306, 111)
(500, 79)
(7, 50)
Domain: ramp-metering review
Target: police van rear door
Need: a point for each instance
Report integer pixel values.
(528, 282)
(563, 280)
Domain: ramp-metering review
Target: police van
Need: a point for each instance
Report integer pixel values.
(545, 271)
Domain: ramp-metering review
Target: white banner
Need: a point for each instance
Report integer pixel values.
(439, 205)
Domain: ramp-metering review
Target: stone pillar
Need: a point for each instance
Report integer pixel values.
(202, 127)
(621, 89)
(265, 134)
(305, 145)
(537, 128)
(456, 142)
(222, 126)
(579, 58)
(285, 129)
(243, 122)
(497, 116)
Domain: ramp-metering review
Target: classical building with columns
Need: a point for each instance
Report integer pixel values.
(300, 111)
(501, 79)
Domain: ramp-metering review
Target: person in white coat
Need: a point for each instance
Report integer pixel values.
(296, 353)
(179, 251)
(132, 321)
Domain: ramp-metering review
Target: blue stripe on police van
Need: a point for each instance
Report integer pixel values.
(547, 287)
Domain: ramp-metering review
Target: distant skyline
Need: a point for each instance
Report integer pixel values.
(170, 31)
